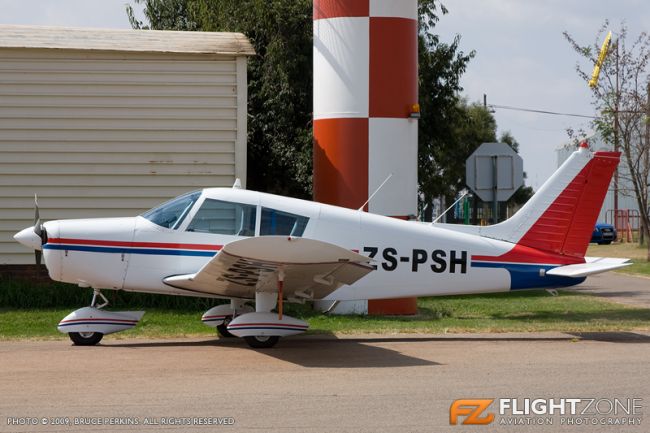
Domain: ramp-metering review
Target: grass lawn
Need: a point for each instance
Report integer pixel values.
(630, 250)
(180, 317)
(518, 311)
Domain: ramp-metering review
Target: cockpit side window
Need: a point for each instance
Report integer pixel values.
(172, 213)
(275, 222)
(224, 218)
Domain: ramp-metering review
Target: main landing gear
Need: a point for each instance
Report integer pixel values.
(219, 317)
(260, 342)
(263, 329)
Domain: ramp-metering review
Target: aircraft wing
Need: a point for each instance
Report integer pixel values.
(313, 269)
(593, 265)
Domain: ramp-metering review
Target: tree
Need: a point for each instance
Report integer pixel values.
(447, 139)
(442, 112)
(163, 15)
(523, 194)
(621, 96)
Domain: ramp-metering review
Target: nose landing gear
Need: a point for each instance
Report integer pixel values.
(87, 326)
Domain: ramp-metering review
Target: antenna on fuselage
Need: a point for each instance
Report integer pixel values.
(237, 184)
(449, 208)
(376, 191)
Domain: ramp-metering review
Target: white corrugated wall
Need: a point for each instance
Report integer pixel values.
(111, 134)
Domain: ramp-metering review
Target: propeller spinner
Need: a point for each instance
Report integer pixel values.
(34, 237)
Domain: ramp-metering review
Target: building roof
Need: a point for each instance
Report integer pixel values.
(152, 41)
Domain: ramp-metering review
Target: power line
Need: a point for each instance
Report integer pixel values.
(531, 110)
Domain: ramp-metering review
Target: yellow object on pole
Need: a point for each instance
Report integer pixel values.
(601, 59)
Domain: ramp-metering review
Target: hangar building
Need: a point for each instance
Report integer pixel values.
(102, 122)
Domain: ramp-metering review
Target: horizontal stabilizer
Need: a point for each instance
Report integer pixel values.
(594, 265)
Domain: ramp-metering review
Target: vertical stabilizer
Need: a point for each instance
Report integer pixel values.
(561, 216)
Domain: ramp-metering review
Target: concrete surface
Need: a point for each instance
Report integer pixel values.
(315, 384)
(626, 289)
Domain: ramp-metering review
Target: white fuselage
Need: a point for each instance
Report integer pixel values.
(411, 258)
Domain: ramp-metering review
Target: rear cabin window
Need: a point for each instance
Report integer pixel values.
(275, 222)
(224, 218)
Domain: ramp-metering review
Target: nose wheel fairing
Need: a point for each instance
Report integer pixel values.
(88, 325)
(91, 319)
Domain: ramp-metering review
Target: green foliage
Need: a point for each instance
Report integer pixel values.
(523, 194)
(527, 310)
(445, 144)
(26, 294)
(163, 14)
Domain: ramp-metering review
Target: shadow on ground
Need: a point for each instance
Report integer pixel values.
(322, 351)
(610, 315)
(328, 351)
(613, 337)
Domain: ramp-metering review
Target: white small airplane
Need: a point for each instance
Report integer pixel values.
(249, 246)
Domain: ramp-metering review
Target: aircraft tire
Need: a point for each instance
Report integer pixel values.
(85, 338)
(222, 330)
(259, 342)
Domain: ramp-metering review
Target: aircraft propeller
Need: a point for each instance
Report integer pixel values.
(39, 230)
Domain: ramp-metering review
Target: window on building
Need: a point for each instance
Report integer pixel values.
(275, 222)
(224, 218)
(172, 213)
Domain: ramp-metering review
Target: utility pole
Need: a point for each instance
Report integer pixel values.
(616, 143)
(647, 143)
(495, 177)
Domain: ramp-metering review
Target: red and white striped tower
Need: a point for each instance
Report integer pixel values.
(365, 89)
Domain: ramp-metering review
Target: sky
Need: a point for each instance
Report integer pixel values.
(522, 58)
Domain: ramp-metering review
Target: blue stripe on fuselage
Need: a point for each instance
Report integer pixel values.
(527, 275)
(120, 250)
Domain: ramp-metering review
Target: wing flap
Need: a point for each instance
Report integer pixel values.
(313, 269)
(593, 265)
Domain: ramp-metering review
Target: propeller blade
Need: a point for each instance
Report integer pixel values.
(38, 229)
(37, 217)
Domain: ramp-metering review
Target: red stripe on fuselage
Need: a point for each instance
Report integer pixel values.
(523, 254)
(70, 241)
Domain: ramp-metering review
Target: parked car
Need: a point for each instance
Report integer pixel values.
(603, 234)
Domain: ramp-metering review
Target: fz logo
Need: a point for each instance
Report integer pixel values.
(471, 410)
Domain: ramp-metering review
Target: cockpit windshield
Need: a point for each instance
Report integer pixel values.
(172, 213)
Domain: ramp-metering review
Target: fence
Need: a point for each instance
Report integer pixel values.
(626, 222)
